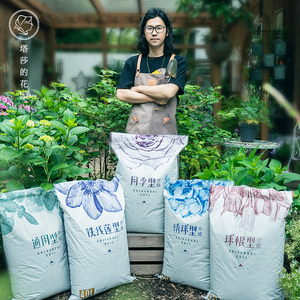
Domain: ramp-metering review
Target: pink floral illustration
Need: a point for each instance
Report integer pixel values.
(248, 203)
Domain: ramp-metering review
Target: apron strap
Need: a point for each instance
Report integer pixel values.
(137, 74)
(138, 67)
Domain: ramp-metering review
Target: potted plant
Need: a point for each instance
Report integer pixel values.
(256, 44)
(252, 111)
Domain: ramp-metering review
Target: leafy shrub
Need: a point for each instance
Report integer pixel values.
(289, 277)
(250, 170)
(37, 145)
(103, 114)
(195, 119)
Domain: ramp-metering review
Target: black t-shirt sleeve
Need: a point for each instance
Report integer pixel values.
(126, 80)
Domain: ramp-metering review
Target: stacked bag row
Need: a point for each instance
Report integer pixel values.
(75, 236)
(228, 240)
(223, 239)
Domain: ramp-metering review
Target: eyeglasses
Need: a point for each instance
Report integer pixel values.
(158, 29)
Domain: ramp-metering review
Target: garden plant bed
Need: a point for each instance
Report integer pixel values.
(145, 287)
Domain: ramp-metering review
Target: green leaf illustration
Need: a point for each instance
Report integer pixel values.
(50, 200)
(7, 226)
(10, 206)
(30, 219)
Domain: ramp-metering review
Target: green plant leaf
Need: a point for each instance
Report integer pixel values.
(7, 129)
(78, 130)
(38, 92)
(5, 138)
(13, 185)
(36, 160)
(44, 90)
(73, 139)
(51, 149)
(4, 174)
(14, 172)
(61, 127)
(275, 165)
(268, 175)
(58, 158)
(69, 116)
(47, 186)
(17, 154)
(239, 176)
(296, 203)
(26, 139)
(60, 166)
(288, 177)
(7, 153)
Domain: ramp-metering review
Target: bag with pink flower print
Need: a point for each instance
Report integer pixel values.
(144, 162)
(247, 240)
(96, 235)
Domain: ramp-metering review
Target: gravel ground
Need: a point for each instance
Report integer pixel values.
(145, 287)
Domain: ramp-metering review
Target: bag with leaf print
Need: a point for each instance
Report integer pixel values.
(247, 240)
(96, 235)
(186, 252)
(144, 162)
(34, 243)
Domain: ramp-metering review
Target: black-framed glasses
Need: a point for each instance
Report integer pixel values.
(159, 29)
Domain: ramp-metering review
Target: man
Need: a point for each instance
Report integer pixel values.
(143, 81)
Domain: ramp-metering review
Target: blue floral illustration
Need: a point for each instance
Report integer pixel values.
(190, 197)
(94, 196)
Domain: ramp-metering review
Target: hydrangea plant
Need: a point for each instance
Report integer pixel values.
(39, 139)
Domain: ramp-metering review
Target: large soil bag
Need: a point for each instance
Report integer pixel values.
(34, 243)
(96, 235)
(186, 252)
(247, 240)
(144, 162)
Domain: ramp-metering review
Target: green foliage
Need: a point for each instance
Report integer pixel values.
(195, 119)
(38, 147)
(289, 282)
(224, 10)
(103, 114)
(232, 123)
(78, 36)
(290, 275)
(252, 110)
(251, 171)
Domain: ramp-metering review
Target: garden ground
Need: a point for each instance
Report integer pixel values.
(144, 288)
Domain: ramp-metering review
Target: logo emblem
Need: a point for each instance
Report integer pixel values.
(24, 24)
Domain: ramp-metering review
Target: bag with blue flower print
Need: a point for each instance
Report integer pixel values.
(144, 162)
(247, 240)
(186, 252)
(96, 235)
(34, 243)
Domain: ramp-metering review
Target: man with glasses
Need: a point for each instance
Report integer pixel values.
(144, 82)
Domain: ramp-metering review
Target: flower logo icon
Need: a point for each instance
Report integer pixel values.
(24, 24)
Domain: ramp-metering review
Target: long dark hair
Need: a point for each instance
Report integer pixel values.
(142, 45)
